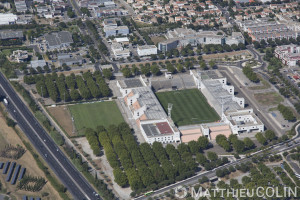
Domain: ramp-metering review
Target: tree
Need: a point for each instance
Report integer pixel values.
(201, 159)
(286, 112)
(145, 70)
(212, 63)
(171, 68)
(107, 73)
(155, 70)
(203, 65)
(249, 144)
(251, 75)
(220, 173)
(75, 96)
(239, 146)
(203, 142)
(212, 156)
(126, 72)
(194, 147)
(270, 135)
(135, 70)
(179, 67)
(261, 138)
(70, 13)
(222, 141)
(204, 179)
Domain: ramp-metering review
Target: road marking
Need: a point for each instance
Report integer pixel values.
(44, 143)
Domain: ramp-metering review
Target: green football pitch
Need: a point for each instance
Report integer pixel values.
(189, 107)
(91, 115)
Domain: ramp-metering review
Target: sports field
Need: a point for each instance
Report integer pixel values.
(189, 107)
(91, 115)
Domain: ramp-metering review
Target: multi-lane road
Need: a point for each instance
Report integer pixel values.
(76, 184)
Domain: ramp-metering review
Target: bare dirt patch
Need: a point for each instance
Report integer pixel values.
(9, 136)
(269, 98)
(63, 117)
(157, 39)
(229, 54)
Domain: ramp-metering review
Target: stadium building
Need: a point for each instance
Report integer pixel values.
(231, 108)
(149, 115)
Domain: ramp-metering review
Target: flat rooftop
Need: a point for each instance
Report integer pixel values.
(131, 83)
(147, 98)
(211, 74)
(221, 95)
(155, 129)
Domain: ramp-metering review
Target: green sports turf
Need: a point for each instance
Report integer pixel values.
(91, 115)
(189, 107)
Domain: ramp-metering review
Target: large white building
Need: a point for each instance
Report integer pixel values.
(181, 37)
(8, 18)
(230, 108)
(147, 50)
(146, 110)
(241, 121)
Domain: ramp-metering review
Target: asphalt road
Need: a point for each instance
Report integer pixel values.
(293, 164)
(76, 184)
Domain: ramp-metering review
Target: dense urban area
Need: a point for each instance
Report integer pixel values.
(149, 99)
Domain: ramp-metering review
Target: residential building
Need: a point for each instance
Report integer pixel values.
(273, 35)
(146, 50)
(288, 54)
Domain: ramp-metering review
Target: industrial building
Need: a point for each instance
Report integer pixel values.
(146, 50)
(37, 63)
(7, 18)
(114, 31)
(11, 34)
(119, 51)
(58, 40)
(149, 115)
(109, 12)
(21, 5)
(181, 37)
(288, 54)
(69, 60)
(168, 45)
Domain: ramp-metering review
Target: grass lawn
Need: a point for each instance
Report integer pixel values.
(269, 98)
(91, 115)
(189, 107)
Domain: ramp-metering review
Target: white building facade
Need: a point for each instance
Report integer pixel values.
(147, 50)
